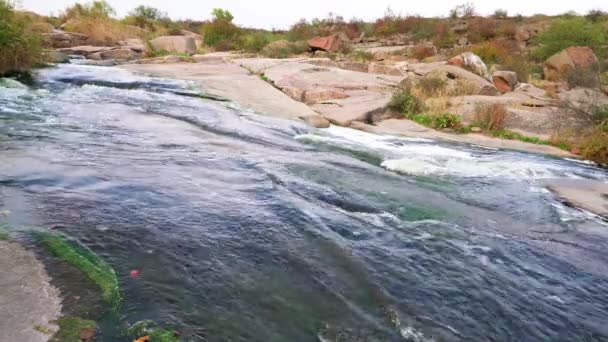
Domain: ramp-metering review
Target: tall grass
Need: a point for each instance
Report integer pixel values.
(20, 48)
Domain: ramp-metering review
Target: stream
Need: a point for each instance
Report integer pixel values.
(250, 228)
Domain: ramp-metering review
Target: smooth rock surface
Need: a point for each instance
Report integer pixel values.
(174, 44)
(585, 194)
(27, 298)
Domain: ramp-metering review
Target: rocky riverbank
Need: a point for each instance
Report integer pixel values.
(319, 92)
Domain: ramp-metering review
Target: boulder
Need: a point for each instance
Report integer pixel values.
(174, 44)
(472, 62)
(60, 39)
(116, 54)
(198, 39)
(578, 61)
(354, 66)
(85, 50)
(316, 121)
(461, 80)
(505, 81)
(331, 43)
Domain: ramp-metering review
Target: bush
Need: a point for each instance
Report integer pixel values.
(406, 103)
(482, 29)
(221, 32)
(490, 52)
(422, 51)
(104, 31)
(501, 14)
(564, 33)
(148, 18)
(95, 9)
(284, 48)
(490, 117)
(596, 15)
(19, 48)
(256, 41)
(594, 144)
(431, 86)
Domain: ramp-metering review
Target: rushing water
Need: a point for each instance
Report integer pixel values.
(249, 228)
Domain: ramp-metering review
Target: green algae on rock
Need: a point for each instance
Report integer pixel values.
(81, 257)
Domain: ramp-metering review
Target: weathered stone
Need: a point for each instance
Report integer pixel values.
(60, 39)
(198, 39)
(316, 121)
(505, 81)
(320, 95)
(472, 62)
(578, 61)
(116, 54)
(354, 66)
(85, 50)
(331, 43)
(174, 44)
(589, 195)
(461, 80)
(386, 69)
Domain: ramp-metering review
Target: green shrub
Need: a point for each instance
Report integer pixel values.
(256, 41)
(564, 33)
(501, 14)
(19, 48)
(95, 9)
(284, 49)
(148, 18)
(221, 31)
(406, 103)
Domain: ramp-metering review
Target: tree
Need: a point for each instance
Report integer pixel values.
(95, 9)
(19, 48)
(221, 14)
(145, 17)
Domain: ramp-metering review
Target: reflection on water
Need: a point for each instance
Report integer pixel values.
(248, 228)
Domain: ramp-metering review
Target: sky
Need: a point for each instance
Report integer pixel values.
(281, 14)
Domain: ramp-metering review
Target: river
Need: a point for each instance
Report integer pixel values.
(251, 228)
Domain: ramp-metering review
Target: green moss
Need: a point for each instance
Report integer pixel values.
(86, 261)
(510, 135)
(70, 328)
(150, 328)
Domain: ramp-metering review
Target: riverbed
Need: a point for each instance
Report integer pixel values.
(246, 227)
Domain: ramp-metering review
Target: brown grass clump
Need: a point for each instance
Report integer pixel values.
(421, 51)
(104, 31)
(482, 29)
(490, 117)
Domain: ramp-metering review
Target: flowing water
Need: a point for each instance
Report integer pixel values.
(249, 228)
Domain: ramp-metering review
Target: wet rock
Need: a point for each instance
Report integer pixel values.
(589, 195)
(471, 62)
(116, 54)
(316, 121)
(174, 44)
(505, 81)
(577, 61)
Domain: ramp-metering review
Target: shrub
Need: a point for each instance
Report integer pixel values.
(406, 103)
(490, 52)
(596, 15)
(519, 65)
(594, 144)
(564, 33)
(466, 10)
(431, 86)
(482, 29)
(490, 117)
(422, 51)
(95, 9)
(256, 41)
(147, 17)
(362, 56)
(103, 31)
(221, 32)
(284, 48)
(19, 48)
(501, 14)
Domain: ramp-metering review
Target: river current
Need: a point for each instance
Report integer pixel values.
(251, 228)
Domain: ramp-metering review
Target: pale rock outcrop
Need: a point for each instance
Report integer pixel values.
(580, 60)
(61, 39)
(461, 80)
(505, 81)
(198, 39)
(472, 62)
(56, 57)
(116, 54)
(174, 44)
(590, 195)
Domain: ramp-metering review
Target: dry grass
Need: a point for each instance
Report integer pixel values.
(490, 117)
(421, 51)
(104, 31)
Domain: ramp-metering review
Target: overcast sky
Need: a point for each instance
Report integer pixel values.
(283, 13)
